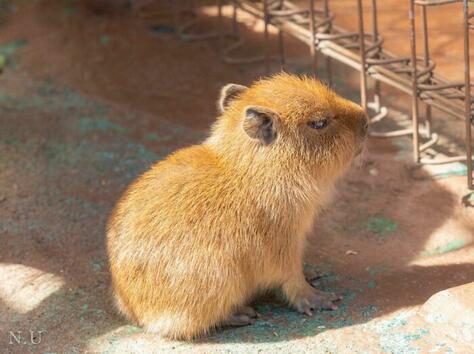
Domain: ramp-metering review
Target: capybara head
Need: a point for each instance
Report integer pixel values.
(290, 119)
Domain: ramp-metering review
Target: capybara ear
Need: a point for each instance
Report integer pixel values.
(259, 123)
(229, 93)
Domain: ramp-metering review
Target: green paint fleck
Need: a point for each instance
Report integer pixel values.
(13, 141)
(399, 320)
(344, 322)
(49, 236)
(349, 295)
(381, 226)
(71, 10)
(142, 152)
(376, 270)
(412, 336)
(449, 247)
(33, 225)
(132, 330)
(416, 336)
(151, 137)
(106, 155)
(11, 47)
(372, 284)
(393, 340)
(86, 124)
(98, 265)
(104, 40)
(11, 226)
(369, 311)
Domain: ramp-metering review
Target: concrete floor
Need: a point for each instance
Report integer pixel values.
(88, 102)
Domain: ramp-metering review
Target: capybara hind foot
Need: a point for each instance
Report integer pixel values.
(247, 310)
(243, 316)
(238, 321)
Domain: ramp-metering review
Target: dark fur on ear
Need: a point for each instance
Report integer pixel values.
(228, 93)
(259, 123)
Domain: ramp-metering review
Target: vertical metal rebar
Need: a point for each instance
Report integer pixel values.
(281, 44)
(312, 28)
(175, 11)
(467, 88)
(328, 59)
(266, 49)
(281, 48)
(220, 26)
(235, 26)
(363, 76)
(375, 34)
(326, 8)
(416, 146)
(426, 61)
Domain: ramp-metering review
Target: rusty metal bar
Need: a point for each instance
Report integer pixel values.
(266, 50)
(426, 60)
(281, 49)
(375, 33)
(414, 79)
(220, 24)
(467, 100)
(363, 53)
(327, 14)
(312, 26)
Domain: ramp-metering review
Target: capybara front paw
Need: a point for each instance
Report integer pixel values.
(314, 300)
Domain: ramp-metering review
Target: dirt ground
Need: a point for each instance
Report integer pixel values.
(89, 101)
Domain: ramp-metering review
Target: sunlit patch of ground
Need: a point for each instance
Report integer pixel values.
(23, 288)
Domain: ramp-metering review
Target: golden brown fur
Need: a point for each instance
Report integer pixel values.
(196, 236)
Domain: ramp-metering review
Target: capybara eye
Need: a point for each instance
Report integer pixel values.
(318, 124)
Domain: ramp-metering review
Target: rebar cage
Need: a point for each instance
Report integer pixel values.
(363, 50)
